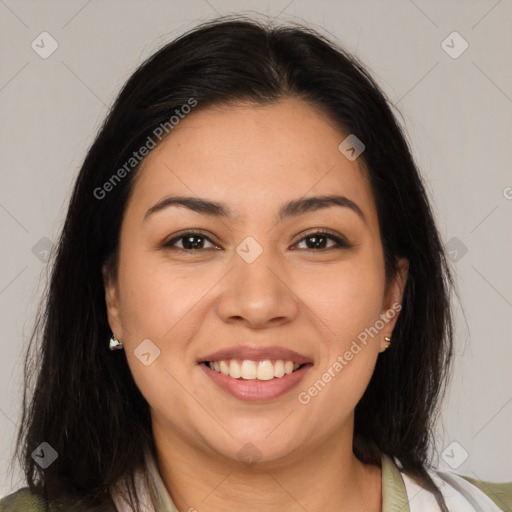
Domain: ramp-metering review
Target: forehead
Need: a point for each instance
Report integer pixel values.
(253, 158)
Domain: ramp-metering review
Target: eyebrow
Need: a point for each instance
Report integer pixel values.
(290, 209)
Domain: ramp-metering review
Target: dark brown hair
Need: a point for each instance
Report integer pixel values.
(85, 403)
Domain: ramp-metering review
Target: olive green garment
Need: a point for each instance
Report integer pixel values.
(394, 496)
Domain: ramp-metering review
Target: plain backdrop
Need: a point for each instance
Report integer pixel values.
(455, 105)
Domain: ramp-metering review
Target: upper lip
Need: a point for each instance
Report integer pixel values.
(256, 354)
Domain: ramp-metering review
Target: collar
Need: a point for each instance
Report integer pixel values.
(394, 494)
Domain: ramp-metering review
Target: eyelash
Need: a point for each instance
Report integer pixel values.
(341, 243)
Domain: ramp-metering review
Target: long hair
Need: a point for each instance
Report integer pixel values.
(85, 403)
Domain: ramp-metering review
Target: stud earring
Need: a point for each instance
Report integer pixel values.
(115, 344)
(387, 339)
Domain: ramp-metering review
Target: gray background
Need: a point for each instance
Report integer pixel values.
(457, 113)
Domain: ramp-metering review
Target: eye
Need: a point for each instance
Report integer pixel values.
(318, 241)
(191, 241)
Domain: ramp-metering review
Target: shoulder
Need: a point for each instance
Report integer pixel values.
(25, 500)
(22, 500)
(462, 493)
(479, 494)
(500, 493)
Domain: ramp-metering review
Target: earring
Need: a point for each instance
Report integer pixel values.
(387, 339)
(115, 344)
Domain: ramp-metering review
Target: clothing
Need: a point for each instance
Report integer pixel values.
(399, 494)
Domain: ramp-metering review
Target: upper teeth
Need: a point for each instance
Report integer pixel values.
(250, 370)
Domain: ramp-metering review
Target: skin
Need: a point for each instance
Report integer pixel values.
(314, 301)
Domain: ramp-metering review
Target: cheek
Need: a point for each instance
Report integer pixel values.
(156, 296)
(168, 392)
(349, 303)
(348, 300)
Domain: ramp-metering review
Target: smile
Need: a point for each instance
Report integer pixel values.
(254, 370)
(252, 388)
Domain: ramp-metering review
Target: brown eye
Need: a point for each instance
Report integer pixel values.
(319, 241)
(191, 241)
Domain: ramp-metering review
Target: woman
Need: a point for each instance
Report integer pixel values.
(250, 237)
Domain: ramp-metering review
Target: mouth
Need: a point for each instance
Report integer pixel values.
(255, 374)
(248, 369)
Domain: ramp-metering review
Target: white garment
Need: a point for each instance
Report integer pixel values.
(459, 495)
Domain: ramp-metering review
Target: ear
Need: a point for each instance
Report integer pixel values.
(112, 301)
(392, 304)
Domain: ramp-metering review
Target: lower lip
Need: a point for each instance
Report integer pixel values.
(256, 390)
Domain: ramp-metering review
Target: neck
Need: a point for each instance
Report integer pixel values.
(326, 476)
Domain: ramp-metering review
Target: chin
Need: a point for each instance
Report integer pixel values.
(257, 446)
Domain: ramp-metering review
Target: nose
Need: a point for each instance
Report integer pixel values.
(257, 294)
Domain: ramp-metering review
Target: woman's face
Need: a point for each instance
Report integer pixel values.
(258, 283)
